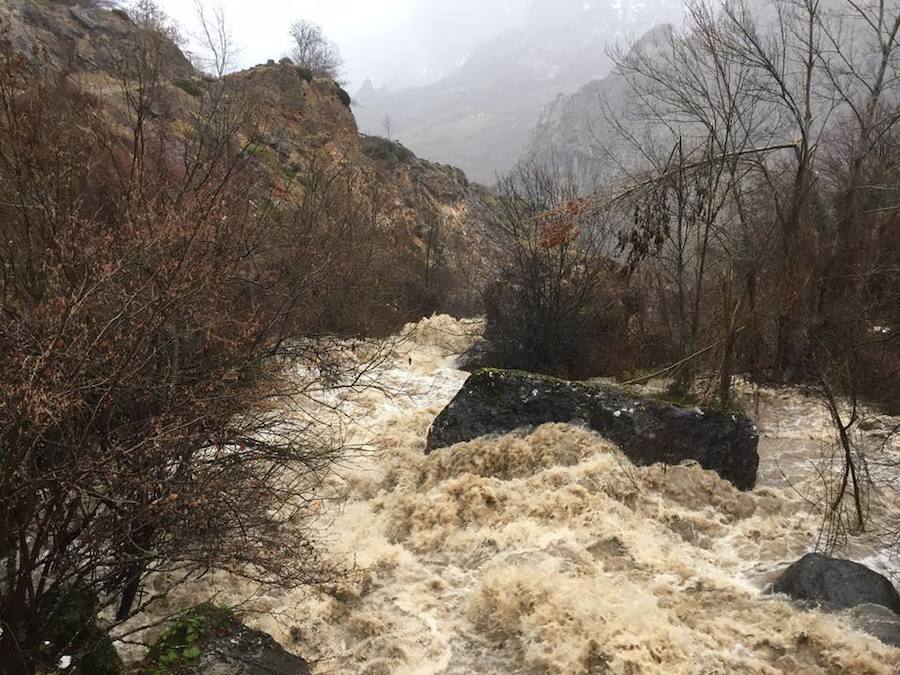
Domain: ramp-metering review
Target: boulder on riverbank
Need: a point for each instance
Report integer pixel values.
(210, 640)
(648, 431)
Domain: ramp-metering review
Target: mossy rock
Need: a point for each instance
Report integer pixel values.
(265, 155)
(97, 656)
(183, 641)
(678, 395)
(210, 639)
(66, 612)
(69, 628)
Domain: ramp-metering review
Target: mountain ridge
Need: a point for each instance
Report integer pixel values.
(479, 116)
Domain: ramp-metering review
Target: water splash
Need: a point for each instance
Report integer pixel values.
(549, 553)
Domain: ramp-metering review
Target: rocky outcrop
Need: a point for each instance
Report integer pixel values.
(209, 640)
(835, 584)
(648, 431)
(306, 123)
(580, 130)
(82, 37)
(297, 125)
(249, 652)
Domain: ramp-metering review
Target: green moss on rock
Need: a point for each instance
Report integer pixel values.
(179, 648)
(210, 639)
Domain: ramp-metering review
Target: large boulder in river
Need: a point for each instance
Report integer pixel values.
(835, 584)
(648, 431)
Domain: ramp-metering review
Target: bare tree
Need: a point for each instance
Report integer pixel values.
(712, 132)
(216, 40)
(432, 282)
(313, 50)
(789, 112)
(149, 15)
(856, 328)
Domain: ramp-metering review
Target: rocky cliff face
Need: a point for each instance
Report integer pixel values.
(79, 36)
(298, 121)
(306, 118)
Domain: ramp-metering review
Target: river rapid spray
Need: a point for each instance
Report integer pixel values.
(549, 553)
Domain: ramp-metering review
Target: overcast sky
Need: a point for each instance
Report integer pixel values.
(393, 42)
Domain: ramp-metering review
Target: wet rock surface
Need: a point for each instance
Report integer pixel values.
(249, 652)
(209, 640)
(836, 584)
(647, 431)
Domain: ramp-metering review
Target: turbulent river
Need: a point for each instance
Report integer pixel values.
(549, 553)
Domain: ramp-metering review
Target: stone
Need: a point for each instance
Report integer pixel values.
(209, 640)
(81, 15)
(648, 431)
(879, 621)
(836, 584)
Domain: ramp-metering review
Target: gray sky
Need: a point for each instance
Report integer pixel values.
(394, 42)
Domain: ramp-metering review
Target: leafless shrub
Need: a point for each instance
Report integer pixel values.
(774, 213)
(151, 301)
(559, 299)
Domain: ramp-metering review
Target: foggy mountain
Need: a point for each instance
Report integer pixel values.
(479, 116)
(593, 132)
(576, 131)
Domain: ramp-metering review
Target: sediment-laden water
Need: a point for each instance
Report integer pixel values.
(549, 553)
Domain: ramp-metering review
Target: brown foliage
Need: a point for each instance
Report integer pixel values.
(559, 303)
(797, 279)
(148, 288)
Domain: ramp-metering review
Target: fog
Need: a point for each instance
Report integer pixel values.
(397, 43)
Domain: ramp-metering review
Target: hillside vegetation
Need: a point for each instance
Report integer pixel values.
(176, 247)
(226, 336)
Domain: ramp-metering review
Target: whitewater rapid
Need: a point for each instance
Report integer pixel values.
(549, 553)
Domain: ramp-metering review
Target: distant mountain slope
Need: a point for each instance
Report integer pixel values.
(577, 130)
(479, 117)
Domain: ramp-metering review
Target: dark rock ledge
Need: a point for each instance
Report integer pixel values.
(648, 431)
